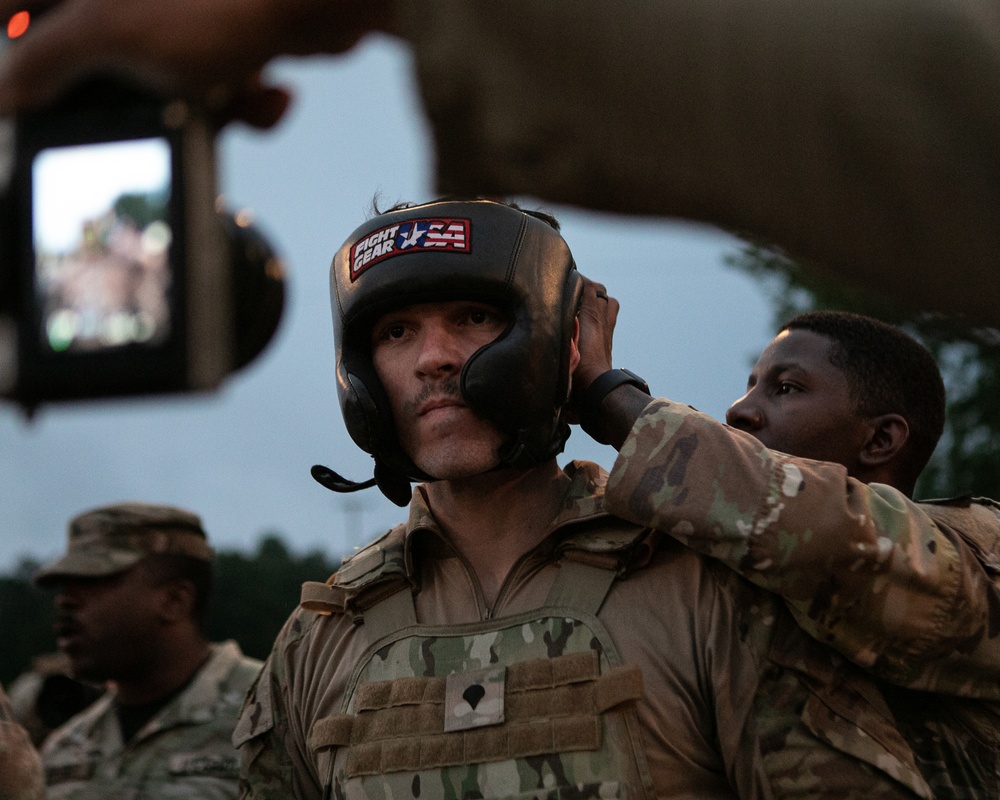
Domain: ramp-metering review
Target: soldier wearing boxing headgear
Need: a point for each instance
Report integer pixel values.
(494, 253)
(131, 592)
(513, 638)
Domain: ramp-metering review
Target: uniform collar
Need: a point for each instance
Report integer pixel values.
(583, 502)
(196, 704)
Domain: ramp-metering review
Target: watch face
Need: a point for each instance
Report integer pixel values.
(636, 381)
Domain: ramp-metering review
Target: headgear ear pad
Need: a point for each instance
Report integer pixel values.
(473, 250)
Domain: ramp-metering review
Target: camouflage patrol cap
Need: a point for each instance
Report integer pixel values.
(111, 539)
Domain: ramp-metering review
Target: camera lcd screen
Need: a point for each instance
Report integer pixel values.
(101, 232)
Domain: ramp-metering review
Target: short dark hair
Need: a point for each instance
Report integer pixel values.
(166, 567)
(888, 372)
(544, 216)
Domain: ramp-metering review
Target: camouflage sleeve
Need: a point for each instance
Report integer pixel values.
(21, 776)
(273, 765)
(861, 567)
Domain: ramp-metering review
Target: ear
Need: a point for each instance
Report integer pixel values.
(176, 600)
(574, 347)
(889, 435)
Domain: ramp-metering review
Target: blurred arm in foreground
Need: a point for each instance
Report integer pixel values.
(861, 137)
(20, 766)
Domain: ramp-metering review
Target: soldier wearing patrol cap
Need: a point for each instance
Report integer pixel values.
(513, 638)
(131, 593)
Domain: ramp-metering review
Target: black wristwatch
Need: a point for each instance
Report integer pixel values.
(593, 397)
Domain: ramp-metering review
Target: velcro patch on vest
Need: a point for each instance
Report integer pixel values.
(322, 598)
(549, 705)
(414, 236)
(474, 699)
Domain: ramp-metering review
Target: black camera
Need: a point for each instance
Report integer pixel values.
(118, 273)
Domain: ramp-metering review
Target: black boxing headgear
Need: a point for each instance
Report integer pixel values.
(470, 250)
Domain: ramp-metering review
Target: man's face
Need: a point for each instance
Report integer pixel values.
(107, 626)
(799, 403)
(418, 353)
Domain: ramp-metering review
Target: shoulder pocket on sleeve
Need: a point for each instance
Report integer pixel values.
(257, 717)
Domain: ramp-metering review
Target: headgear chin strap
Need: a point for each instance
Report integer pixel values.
(474, 250)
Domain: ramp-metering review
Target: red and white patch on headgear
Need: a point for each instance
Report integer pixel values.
(412, 236)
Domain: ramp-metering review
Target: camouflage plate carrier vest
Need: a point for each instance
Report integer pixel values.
(536, 705)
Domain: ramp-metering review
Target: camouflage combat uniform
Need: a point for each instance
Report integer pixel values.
(910, 591)
(184, 751)
(20, 766)
(732, 700)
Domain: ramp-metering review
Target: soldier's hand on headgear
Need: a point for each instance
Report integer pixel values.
(208, 52)
(598, 316)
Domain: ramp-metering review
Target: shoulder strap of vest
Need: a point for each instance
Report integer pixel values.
(390, 614)
(610, 542)
(369, 576)
(591, 559)
(580, 586)
(376, 583)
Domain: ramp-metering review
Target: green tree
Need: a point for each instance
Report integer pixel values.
(965, 461)
(142, 209)
(26, 617)
(254, 594)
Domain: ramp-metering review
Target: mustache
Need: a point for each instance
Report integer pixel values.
(448, 388)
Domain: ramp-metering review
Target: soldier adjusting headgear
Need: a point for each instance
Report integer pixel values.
(471, 250)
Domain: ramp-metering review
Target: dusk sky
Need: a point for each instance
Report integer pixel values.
(240, 457)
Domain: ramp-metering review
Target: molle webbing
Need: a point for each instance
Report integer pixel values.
(551, 705)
